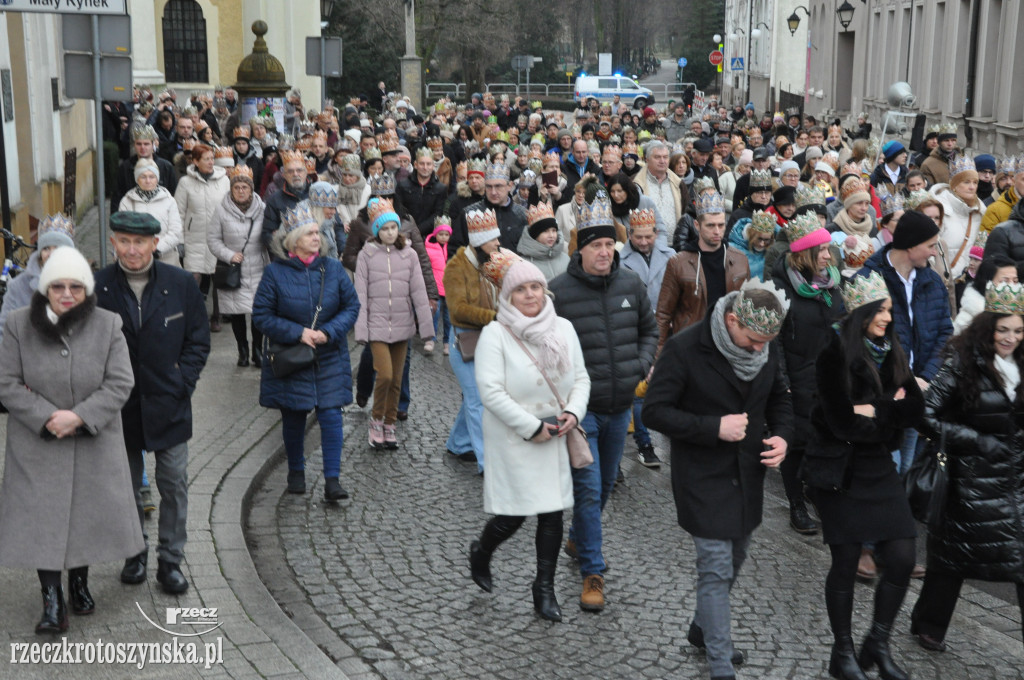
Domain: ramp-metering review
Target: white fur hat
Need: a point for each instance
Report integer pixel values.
(66, 263)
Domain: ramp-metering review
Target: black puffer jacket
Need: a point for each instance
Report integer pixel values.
(982, 536)
(613, 319)
(1007, 238)
(424, 202)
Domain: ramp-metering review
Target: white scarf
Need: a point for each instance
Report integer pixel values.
(540, 332)
(1010, 374)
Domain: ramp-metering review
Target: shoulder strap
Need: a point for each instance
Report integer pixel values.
(522, 346)
(252, 223)
(320, 302)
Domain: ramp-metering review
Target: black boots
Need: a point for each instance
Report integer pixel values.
(243, 354)
(800, 519)
(169, 576)
(875, 650)
(333, 491)
(480, 566)
(134, 571)
(55, 611)
(78, 590)
(497, 530)
(296, 481)
(843, 664)
(257, 356)
(548, 541)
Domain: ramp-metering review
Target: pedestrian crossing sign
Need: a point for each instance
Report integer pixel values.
(736, 64)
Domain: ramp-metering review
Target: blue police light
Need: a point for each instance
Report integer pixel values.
(582, 73)
(618, 75)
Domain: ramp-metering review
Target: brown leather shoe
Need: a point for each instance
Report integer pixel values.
(866, 568)
(592, 599)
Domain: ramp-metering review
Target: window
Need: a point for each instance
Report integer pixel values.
(185, 59)
(627, 84)
(608, 84)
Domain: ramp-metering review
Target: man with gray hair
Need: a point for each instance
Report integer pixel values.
(661, 184)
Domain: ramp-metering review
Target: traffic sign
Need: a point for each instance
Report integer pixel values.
(682, 62)
(736, 64)
(66, 7)
(716, 58)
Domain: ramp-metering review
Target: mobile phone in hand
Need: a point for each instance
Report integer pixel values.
(551, 420)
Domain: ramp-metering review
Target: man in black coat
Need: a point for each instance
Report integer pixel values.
(422, 193)
(575, 166)
(294, 191)
(611, 312)
(720, 393)
(497, 197)
(168, 335)
(144, 141)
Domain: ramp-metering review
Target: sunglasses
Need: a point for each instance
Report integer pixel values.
(75, 288)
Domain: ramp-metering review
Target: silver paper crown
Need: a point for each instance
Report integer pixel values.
(891, 202)
(323, 195)
(382, 185)
(1007, 165)
(143, 132)
(960, 163)
(702, 184)
(710, 202)
(496, 171)
(56, 223)
(760, 180)
(761, 320)
(597, 213)
(914, 200)
(297, 217)
(763, 222)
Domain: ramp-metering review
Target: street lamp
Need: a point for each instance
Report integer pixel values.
(794, 23)
(845, 14)
(325, 20)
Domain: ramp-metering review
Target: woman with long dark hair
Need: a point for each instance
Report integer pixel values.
(867, 395)
(976, 402)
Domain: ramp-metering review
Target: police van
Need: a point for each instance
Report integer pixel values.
(605, 88)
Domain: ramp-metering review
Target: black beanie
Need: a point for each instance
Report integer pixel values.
(540, 226)
(784, 195)
(913, 229)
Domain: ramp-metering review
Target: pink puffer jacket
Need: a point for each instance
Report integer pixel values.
(392, 295)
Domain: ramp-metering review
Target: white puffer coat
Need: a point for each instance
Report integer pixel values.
(198, 199)
(960, 226)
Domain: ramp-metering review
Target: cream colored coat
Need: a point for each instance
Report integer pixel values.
(523, 477)
(960, 226)
(198, 200)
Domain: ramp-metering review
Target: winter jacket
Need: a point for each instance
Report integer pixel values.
(972, 303)
(197, 200)
(935, 168)
(806, 330)
(613, 319)
(718, 486)
(744, 210)
(960, 226)
(277, 204)
(285, 304)
(651, 269)
(392, 296)
(552, 261)
(472, 299)
(456, 208)
(644, 181)
(359, 233)
(438, 255)
(683, 299)
(20, 289)
(999, 210)
(424, 202)
(351, 200)
(881, 176)
(168, 335)
(566, 216)
(164, 208)
(982, 533)
(1007, 238)
(126, 178)
(573, 175)
(923, 341)
(738, 240)
(254, 163)
(511, 223)
(230, 231)
(727, 182)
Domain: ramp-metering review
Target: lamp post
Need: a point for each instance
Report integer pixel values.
(717, 37)
(845, 14)
(325, 20)
(794, 23)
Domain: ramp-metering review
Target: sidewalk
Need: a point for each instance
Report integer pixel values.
(234, 441)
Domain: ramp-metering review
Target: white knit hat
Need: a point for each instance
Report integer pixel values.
(66, 263)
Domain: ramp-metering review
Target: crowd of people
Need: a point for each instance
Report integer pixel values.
(766, 292)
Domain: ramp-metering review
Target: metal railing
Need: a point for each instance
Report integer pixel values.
(459, 92)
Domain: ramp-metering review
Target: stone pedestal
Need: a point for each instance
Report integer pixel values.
(412, 81)
(145, 61)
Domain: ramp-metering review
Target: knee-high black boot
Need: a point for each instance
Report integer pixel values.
(888, 598)
(843, 663)
(257, 345)
(238, 329)
(497, 530)
(549, 540)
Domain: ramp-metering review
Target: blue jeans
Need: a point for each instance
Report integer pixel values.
(640, 433)
(904, 455)
(366, 376)
(592, 485)
(332, 436)
(441, 315)
(467, 431)
(718, 565)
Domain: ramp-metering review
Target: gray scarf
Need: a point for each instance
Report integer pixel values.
(745, 364)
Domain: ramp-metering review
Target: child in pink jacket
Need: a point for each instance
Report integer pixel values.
(437, 248)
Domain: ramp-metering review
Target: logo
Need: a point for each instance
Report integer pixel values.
(187, 617)
(625, 304)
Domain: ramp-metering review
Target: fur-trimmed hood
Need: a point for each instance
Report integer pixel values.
(57, 331)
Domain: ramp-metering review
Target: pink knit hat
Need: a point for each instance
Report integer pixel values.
(519, 273)
(977, 253)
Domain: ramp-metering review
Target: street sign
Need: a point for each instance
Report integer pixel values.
(115, 34)
(716, 58)
(332, 57)
(66, 7)
(115, 78)
(736, 64)
(681, 62)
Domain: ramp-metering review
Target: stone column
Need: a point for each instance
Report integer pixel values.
(412, 66)
(145, 63)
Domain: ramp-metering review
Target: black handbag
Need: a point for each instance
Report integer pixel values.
(927, 482)
(287, 359)
(228, 275)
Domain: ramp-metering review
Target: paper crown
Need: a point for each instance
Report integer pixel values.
(497, 266)
(303, 144)
(189, 144)
(760, 180)
(496, 171)
(535, 105)
(535, 165)
(240, 133)
(442, 219)
(961, 163)
(299, 216)
(643, 218)
(862, 290)
(1007, 165)
(323, 195)
(537, 139)
(612, 151)
(630, 149)
(981, 240)
(57, 223)
(710, 202)
(435, 143)
(224, 152)
(378, 207)
(597, 213)
(439, 106)
(856, 251)
(476, 165)
(947, 129)
(320, 135)
(1005, 298)
(351, 165)
(382, 185)
(801, 226)
(373, 153)
(240, 171)
(482, 226)
(143, 132)
(702, 184)
(424, 152)
(809, 195)
(310, 165)
(387, 144)
(852, 186)
(760, 320)
(891, 202)
(763, 222)
(915, 199)
(541, 211)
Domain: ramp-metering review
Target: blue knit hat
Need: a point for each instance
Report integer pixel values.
(892, 150)
(380, 211)
(985, 162)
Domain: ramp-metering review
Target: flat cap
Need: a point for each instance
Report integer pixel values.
(139, 223)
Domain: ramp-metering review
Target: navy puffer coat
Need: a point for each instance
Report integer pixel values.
(285, 303)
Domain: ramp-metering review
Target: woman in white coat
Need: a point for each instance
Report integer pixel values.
(963, 212)
(524, 428)
(198, 194)
(148, 196)
(234, 236)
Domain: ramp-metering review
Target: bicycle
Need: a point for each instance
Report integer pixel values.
(17, 252)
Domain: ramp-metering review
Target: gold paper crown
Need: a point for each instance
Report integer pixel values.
(858, 249)
(914, 200)
(223, 152)
(802, 225)
(303, 144)
(935, 129)
(702, 184)
(373, 153)
(325, 117)
(143, 132)
(761, 320)
(948, 129)
(478, 221)
(763, 222)
(961, 163)
(852, 186)
(382, 185)
(439, 106)
(378, 207)
(297, 217)
(891, 202)
(541, 211)
(630, 148)
(435, 143)
(809, 195)
(477, 165)
(310, 165)
(709, 203)
(643, 218)
(240, 132)
(536, 105)
(862, 290)
(496, 171)
(240, 171)
(56, 223)
(494, 269)
(320, 135)
(424, 152)
(189, 144)
(597, 213)
(1005, 298)
(387, 144)
(760, 180)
